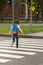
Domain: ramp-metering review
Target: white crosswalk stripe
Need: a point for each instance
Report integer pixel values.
(10, 56)
(7, 52)
(4, 60)
(17, 52)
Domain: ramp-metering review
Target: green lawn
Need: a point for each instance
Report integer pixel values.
(34, 29)
(26, 29)
(4, 29)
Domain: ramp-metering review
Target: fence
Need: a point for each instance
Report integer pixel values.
(7, 13)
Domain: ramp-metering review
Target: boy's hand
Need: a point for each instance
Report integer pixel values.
(9, 32)
(22, 32)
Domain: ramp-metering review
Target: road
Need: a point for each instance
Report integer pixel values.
(30, 52)
(25, 24)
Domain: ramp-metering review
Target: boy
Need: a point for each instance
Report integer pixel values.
(14, 30)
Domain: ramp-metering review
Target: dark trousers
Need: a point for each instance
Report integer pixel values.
(15, 36)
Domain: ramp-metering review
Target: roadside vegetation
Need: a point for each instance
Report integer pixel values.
(26, 29)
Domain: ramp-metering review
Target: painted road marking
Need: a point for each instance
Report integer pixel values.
(6, 47)
(18, 52)
(4, 60)
(23, 49)
(11, 56)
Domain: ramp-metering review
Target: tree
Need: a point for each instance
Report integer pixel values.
(36, 5)
(2, 6)
(41, 6)
(28, 2)
(16, 6)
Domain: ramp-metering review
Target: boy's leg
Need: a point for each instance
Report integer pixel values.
(13, 39)
(17, 41)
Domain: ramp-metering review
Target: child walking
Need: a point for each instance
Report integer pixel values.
(14, 30)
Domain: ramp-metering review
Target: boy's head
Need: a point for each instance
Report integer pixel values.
(16, 22)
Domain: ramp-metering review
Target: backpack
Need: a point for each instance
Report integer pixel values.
(14, 28)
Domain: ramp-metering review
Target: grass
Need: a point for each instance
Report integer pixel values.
(26, 29)
(4, 29)
(34, 29)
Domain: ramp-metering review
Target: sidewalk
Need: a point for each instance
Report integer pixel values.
(33, 35)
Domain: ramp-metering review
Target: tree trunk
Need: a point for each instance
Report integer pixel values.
(1, 16)
(15, 10)
(41, 6)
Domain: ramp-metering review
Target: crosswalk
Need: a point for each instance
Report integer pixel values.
(7, 53)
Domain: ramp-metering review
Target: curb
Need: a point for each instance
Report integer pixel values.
(22, 36)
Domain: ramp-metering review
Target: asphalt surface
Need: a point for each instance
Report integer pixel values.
(29, 52)
(25, 24)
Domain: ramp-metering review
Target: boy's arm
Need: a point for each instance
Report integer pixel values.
(10, 30)
(20, 30)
